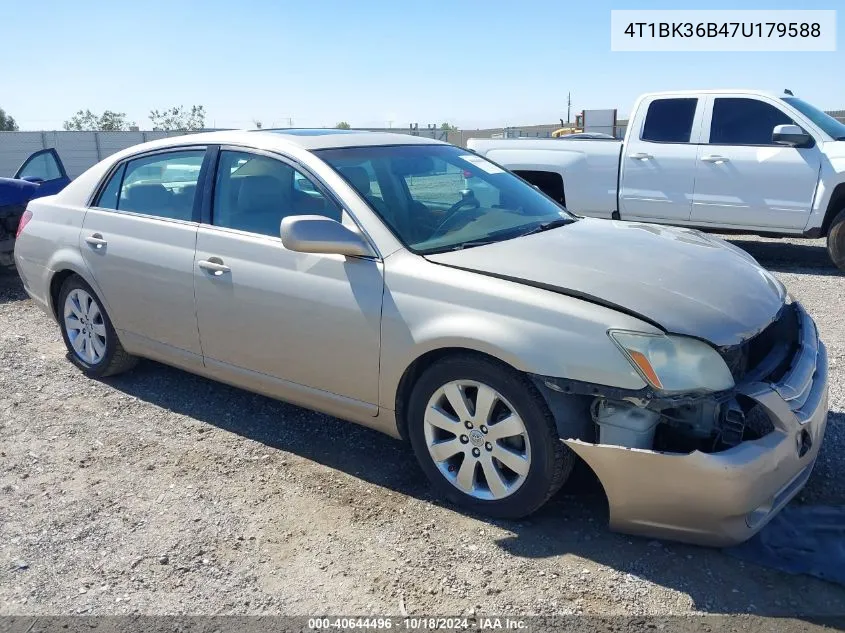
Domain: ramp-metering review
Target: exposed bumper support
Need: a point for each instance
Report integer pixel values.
(726, 497)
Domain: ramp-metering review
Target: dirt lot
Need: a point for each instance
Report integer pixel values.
(161, 492)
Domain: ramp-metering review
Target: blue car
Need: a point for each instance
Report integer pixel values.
(41, 174)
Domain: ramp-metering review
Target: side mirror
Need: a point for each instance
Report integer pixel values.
(791, 136)
(319, 234)
(36, 180)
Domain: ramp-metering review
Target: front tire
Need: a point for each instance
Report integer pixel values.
(88, 333)
(485, 437)
(836, 240)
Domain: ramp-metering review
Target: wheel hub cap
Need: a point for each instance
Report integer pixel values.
(85, 326)
(477, 439)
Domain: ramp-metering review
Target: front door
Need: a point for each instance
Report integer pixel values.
(309, 319)
(658, 161)
(745, 180)
(46, 169)
(138, 241)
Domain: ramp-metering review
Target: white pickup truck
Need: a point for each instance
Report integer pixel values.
(723, 160)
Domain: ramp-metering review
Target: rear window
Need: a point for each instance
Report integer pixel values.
(669, 120)
(162, 185)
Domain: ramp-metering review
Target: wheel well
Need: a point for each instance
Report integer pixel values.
(56, 287)
(549, 182)
(415, 370)
(834, 206)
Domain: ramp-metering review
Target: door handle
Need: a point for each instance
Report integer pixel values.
(96, 240)
(216, 268)
(715, 158)
(641, 156)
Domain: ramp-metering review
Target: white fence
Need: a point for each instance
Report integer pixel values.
(78, 150)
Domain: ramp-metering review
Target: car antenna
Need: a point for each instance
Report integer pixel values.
(788, 92)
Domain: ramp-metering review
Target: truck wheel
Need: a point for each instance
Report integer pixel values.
(485, 437)
(836, 240)
(90, 338)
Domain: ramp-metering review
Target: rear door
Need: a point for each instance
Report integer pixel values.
(658, 161)
(46, 169)
(743, 178)
(138, 240)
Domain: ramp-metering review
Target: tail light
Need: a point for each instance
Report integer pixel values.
(25, 218)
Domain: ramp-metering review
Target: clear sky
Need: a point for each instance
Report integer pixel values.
(474, 63)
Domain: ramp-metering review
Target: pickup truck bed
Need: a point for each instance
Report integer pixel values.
(592, 163)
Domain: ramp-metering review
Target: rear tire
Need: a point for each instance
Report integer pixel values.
(836, 240)
(512, 488)
(87, 330)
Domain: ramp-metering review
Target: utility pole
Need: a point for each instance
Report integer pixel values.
(568, 106)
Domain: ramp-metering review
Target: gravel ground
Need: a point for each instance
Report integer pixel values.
(160, 492)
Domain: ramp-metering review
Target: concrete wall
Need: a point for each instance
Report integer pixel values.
(81, 150)
(78, 150)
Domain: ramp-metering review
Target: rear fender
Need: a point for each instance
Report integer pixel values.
(68, 260)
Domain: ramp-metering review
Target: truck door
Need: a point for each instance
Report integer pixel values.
(659, 159)
(46, 169)
(743, 179)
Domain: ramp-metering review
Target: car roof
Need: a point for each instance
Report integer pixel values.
(709, 91)
(321, 138)
(308, 139)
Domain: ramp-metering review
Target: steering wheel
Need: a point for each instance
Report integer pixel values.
(452, 212)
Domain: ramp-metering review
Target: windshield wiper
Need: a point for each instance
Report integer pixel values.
(460, 246)
(547, 226)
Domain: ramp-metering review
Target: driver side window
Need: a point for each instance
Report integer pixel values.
(740, 121)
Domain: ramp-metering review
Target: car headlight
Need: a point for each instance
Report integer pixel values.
(674, 364)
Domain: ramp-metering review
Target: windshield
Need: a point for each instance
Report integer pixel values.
(826, 122)
(441, 197)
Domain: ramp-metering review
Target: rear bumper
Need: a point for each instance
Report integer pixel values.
(726, 497)
(34, 277)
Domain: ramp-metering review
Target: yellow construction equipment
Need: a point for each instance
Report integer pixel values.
(565, 131)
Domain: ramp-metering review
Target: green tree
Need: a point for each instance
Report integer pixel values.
(7, 123)
(343, 125)
(179, 118)
(448, 127)
(85, 120)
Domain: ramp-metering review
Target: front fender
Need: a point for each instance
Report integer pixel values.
(430, 307)
(828, 191)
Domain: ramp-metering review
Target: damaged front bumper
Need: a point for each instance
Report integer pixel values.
(723, 498)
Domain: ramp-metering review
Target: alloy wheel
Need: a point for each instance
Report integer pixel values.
(86, 329)
(477, 439)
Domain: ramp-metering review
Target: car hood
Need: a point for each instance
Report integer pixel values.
(14, 191)
(683, 280)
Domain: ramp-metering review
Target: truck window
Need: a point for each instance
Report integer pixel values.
(549, 183)
(738, 121)
(669, 120)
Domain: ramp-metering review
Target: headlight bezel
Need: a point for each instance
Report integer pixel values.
(674, 364)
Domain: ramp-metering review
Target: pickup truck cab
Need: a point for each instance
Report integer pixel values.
(724, 160)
